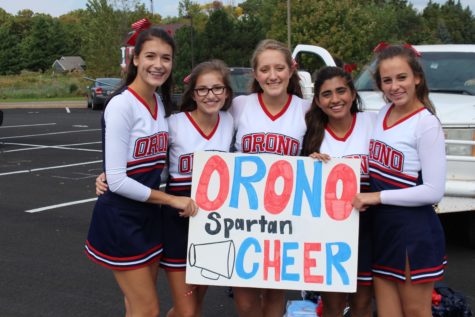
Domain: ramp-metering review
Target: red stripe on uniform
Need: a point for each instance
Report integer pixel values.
(389, 181)
(131, 258)
(147, 160)
(146, 169)
(392, 172)
(123, 267)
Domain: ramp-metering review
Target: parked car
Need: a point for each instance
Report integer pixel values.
(100, 90)
(1, 117)
(240, 80)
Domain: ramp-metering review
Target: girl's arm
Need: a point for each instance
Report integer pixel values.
(186, 204)
(118, 118)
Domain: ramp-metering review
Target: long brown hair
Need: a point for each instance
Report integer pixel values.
(315, 118)
(215, 65)
(409, 54)
(294, 84)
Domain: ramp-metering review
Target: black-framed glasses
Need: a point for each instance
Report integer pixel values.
(204, 91)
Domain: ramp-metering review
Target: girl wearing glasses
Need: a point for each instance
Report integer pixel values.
(202, 125)
(125, 234)
(272, 114)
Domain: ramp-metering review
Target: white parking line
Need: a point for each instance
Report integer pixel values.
(67, 110)
(26, 125)
(61, 146)
(71, 203)
(52, 133)
(48, 168)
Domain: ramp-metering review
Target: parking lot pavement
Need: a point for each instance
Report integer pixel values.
(49, 159)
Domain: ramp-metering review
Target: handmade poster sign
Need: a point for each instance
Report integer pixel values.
(272, 221)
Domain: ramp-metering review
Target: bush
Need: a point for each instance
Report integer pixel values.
(73, 88)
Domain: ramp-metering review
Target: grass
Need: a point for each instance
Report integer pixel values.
(30, 86)
(82, 98)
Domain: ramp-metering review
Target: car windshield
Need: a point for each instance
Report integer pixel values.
(108, 82)
(448, 72)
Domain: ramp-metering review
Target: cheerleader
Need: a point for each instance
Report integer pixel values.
(336, 127)
(125, 234)
(202, 125)
(269, 120)
(407, 175)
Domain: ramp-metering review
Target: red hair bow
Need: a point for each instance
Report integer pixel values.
(138, 27)
(381, 46)
(416, 52)
(349, 68)
(294, 63)
(186, 80)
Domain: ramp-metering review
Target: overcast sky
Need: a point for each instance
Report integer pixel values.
(163, 7)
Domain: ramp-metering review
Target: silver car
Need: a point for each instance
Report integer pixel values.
(101, 89)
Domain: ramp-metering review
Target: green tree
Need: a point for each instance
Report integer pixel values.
(263, 10)
(450, 22)
(250, 32)
(105, 29)
(217, 39)
(13, 31)
(43, 44)
(10, 61)
(4, 16)
(183, 59)
(349, 29)
(72, 28)
(101, 39)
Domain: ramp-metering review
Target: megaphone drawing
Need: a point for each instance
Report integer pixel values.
(214, 259)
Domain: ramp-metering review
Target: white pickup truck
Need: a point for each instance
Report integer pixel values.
(450, 72)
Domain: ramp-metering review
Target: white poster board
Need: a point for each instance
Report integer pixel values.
(272, 221)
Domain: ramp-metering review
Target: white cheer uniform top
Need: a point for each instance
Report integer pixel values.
(258, 131)
(186, 137)
(407, 160)
(355, 144)
(135, 147)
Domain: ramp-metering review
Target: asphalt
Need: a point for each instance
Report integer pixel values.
(49, 158)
